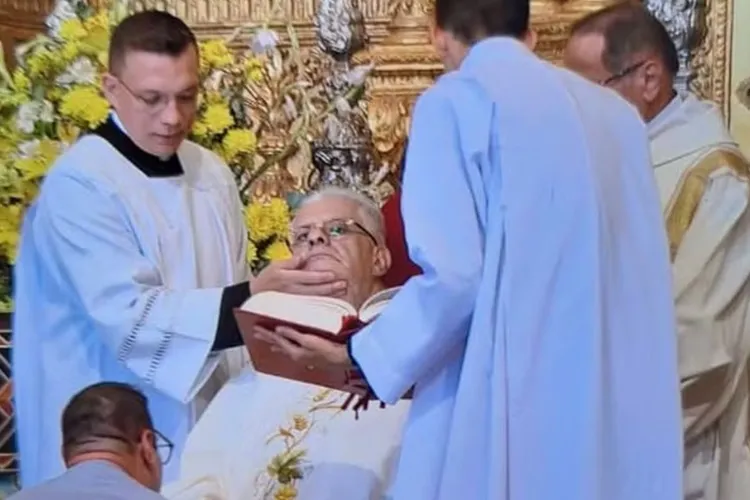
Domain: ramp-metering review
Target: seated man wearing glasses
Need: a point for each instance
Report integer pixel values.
(703, 183)
(266, 437)
(110, 448)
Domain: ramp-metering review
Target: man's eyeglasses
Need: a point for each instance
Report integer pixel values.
(629, 70)
(333, 229)
(163, 446)
(155, 102)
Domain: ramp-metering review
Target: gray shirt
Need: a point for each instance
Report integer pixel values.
(92, 480)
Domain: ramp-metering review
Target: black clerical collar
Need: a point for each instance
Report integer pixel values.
(150, 165)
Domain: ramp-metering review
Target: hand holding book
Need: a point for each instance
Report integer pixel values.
(310, 350)
(304, 338)
(318, 352)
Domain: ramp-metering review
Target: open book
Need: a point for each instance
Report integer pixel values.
(327, 317)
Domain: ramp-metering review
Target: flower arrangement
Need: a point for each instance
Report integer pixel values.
(258, 109)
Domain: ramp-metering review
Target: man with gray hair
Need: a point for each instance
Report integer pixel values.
(251, 442)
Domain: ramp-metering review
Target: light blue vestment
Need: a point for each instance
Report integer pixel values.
(120, 277)
(541, 336)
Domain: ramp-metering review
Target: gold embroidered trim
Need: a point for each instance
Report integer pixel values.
(280, 479)
(690, 189)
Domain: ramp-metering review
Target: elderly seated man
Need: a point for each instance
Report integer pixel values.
(265, 437)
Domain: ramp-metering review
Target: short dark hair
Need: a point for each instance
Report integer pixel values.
(472, 20)
(152, 31)
(628, 28)
(107, 410)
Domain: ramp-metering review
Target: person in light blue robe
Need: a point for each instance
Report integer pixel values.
(540, 339)
(133, 257)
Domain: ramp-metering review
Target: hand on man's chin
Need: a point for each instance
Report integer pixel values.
(322, 263)
(328, 264)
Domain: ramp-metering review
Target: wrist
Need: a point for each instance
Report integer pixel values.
(255, 285)
(341, 357)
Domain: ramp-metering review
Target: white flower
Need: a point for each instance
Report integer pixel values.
(64, 10)
(213, 82)
(27, 115)
(357, 75)
(82, 71)
(264, 41)
(28, 149)
(34, 111)
(46, 112)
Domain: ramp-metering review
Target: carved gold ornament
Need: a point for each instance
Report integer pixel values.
(399, 44)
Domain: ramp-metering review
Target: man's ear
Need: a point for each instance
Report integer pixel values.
(109, 88)
(150, 474)
(653, 75)
(439, 39)
(530, 39)
(381, 261)
(149, 453)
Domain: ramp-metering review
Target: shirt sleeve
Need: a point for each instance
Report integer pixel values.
(711, 274)
(162, 335)
(429, 318)
(227, 332)
(711, 268)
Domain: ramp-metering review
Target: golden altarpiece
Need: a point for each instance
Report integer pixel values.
(404, 64)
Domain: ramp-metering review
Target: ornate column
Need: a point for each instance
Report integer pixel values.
(685, 21)
(701, 31)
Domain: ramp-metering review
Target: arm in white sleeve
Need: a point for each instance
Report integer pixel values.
(711, 268)
(164, 336)
(238, 211)
(430, 315)
(711, 272)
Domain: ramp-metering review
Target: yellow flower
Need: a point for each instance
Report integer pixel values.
(252, 252)
(72, 30)
(278, 250)
(70, 51)
(199, 131)
(10, 99)
(35, 165)
(54, 94)
(280, 215)
(213, 97)
(238, 142)
(103, 58)
(215, 55)
(21, 81)
(8, 145)
(266, 220)
(259, 224)
(285, 492)
(84, 105)
(67, 132)
(10, 226)
(97, 32)
(215, 120)
(42, 62)
(253, 69)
